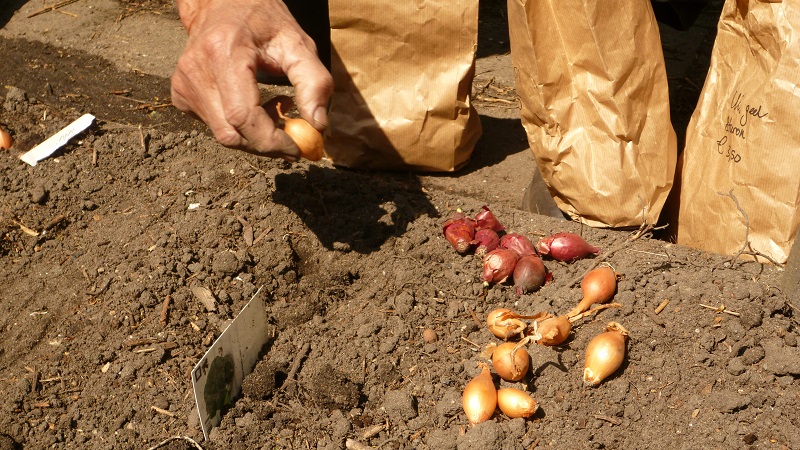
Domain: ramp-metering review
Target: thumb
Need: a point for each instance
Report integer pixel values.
(313, 87)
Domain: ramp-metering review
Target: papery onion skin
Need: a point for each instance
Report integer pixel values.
(6, 141)
(554, 330)
(566, 247)
(519, 243)
(486, 240)
(511, 365)
(479, 399)
(598, 286)
(308, 139)
(486, 220)
(498, 265)
(504, 323)
(529, 274)
(515, 403)
(459, 232)
(604, 354)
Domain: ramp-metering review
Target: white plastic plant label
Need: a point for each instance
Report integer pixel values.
(58, 140)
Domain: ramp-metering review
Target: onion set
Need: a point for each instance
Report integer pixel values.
(486, 220)
(604, 354)
(529, 274)
(459, 231)
(307, 138)
(504, 323)
(486, 240)
(519, 243)
(515, 403)
(598, 286)
(553, 330)
(565, 247)
(480, 397)
(511, 361)
(498, 265)
(6, 141)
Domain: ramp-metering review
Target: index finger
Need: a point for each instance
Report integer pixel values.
(241, 103)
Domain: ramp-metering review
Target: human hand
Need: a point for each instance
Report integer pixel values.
(215, 78)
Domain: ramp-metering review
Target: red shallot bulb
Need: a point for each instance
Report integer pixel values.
(487, 240)
(565, 247)
(604, 354)
(460, 232)
(519, 243)
(498, 265)
(529, 274)
(486, 220)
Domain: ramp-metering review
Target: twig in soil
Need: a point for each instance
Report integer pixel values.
(164, 316)
(352, 444)
(162, 411)
(298, 359)
(473, 344)
(176, 438)
(26, 230)
(142, 140)
(720, 309)
(609, 419)
(373, 431)
(474, 317)
(101, 289)
(661, 306)
(52, 8)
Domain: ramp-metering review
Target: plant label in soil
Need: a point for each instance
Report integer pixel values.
(58, 140)
(217, 378)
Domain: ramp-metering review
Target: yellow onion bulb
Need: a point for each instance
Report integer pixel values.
(554, 330)
(598, 286)
(510, 362)
(504, 323)
(604, 354)
(6, 141)
(307, 138)
(480, 397)
(515, 403)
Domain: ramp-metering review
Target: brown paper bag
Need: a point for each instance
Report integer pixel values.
(740, 180)
(403, 73)
(593, 89)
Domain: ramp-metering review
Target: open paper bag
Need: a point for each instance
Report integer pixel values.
(403, 73)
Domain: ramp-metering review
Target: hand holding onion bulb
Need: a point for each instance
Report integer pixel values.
(604, 354)
(307, 138)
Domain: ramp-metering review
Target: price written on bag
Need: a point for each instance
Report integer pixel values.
(735, 126)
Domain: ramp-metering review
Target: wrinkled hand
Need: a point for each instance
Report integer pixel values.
(215, 79)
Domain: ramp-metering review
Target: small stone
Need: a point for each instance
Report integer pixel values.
(430, 336)
(749, 438)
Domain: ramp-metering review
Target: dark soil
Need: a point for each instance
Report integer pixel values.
(354, 268)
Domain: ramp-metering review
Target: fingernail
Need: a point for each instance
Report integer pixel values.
(321, 117)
